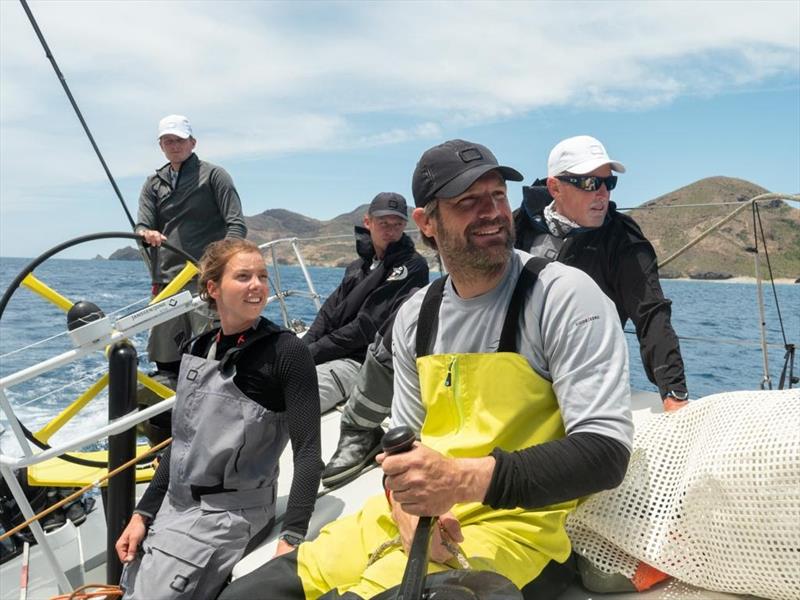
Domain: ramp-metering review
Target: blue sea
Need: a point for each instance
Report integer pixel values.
(716, 321)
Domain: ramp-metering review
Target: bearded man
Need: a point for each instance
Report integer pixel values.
(513, 373)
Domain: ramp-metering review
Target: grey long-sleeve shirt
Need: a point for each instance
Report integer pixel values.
(204, 207)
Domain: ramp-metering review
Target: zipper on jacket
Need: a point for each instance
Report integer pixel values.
(449, 379)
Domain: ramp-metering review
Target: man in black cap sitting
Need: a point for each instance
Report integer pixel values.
(512, 374)
(387, 268)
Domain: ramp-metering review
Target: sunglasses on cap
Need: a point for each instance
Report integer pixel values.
(589, 183)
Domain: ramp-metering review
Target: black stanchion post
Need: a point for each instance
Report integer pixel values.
(121, 448)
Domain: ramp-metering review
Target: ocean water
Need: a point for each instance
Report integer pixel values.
(716, 321)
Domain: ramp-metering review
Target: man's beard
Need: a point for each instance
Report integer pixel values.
(463, 256)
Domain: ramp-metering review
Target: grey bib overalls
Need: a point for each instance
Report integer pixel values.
(223, 442)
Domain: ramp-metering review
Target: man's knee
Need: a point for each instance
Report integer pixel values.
(553, 581)
(336, 380)
(275, 579)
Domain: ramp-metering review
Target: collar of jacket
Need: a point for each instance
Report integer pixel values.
(366, 250)
(535, 197)
(189, 164)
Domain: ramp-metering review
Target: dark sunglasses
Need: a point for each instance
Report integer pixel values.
(589, 183)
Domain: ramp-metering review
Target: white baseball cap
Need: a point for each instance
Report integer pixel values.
(175, 125)
(579, 155)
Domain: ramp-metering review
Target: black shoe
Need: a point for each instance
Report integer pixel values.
(76, 512)
(55, 520)
(357, 447)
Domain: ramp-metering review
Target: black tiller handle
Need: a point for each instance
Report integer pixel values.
(395, 441)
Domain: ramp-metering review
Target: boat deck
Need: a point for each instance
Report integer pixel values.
(88, 541)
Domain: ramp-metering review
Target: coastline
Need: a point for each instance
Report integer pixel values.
(750, 280)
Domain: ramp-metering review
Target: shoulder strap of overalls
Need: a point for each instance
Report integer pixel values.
(231, 356)
(527, 278)
(428, 314)
(429, 311)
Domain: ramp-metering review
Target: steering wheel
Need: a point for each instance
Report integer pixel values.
(27, 279)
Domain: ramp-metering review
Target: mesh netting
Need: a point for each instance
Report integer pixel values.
(711, 497)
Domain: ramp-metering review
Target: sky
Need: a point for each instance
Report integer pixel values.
(317, 106)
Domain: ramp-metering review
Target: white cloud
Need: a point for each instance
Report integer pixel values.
(274, 78)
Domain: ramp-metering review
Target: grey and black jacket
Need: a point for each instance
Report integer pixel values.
(204, 207)
(623, 263)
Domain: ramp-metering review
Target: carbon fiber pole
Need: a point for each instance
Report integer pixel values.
(121, 448)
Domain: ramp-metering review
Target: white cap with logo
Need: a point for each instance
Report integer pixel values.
(579, 155)
(175, 125)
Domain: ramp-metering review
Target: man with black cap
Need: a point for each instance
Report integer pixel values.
(512, 372)
(387, 268)
(569, 217)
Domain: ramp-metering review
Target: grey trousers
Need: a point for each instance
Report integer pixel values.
(189, 554)
(165, 341)
(336, 379)
(370, 400)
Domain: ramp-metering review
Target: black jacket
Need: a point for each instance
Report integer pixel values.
(355, 311)
(623, 263)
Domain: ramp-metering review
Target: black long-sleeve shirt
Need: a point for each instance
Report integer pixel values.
(278, 373)
(571, 467)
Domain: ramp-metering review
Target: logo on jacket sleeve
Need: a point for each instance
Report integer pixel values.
(398, 274)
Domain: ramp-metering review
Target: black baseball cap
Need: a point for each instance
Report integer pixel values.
(388, 204)
(449, 169)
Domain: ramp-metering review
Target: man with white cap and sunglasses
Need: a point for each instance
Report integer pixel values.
(569, 217)
(187, 203)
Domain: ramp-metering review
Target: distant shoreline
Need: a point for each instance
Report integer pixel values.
(751, 280)
(735, 279)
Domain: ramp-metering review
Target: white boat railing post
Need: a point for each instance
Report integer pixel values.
(766, 381)
(64, 585)
(314, 294)
(279, 291)
(15, 424)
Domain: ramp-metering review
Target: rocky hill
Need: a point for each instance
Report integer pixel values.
(668, 221)
(126, 253)
(323, 243)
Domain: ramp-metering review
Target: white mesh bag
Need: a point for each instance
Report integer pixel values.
(711, 497)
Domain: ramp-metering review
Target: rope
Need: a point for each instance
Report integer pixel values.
(643, 207)
(451, 547)
(91, 376)
(84, 489)
(34, 344)
(91, 590)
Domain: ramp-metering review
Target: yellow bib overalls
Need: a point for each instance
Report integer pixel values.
(474, 403)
